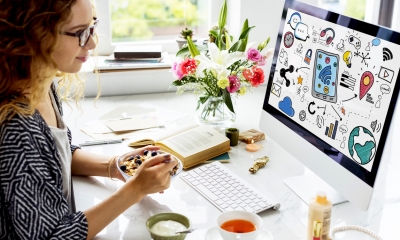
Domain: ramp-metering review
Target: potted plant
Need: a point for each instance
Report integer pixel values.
(182, 39)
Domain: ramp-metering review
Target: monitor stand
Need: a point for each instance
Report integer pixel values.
(307, 186)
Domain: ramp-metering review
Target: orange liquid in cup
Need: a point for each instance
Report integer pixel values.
(238, 226)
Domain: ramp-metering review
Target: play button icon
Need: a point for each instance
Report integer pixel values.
(386, 74)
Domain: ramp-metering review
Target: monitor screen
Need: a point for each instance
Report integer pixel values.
(335, 81)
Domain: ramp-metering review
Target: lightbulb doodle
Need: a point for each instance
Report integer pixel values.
(347, 57)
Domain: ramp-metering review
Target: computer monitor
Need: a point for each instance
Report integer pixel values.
(330, 99)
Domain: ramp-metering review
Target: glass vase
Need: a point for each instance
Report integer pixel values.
(214, 112)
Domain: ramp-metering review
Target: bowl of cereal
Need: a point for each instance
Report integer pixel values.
(129, 163)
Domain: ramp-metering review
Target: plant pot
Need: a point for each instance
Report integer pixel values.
(181, 41)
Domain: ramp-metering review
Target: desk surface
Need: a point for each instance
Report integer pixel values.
(289, 222)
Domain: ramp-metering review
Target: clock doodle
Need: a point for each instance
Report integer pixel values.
(288, 39)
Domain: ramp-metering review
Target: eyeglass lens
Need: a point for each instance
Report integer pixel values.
(85, 35)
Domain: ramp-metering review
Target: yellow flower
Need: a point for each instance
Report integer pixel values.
(242, 91)
(223, 82)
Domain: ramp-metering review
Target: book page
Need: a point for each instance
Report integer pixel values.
(195, 140)
(160, 135)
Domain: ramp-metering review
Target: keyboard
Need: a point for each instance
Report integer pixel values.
(226, 190)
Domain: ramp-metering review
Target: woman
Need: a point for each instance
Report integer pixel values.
(39, 40)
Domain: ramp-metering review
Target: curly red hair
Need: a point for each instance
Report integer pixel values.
(29, 35)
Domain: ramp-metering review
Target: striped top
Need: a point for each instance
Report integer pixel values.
(32, 205)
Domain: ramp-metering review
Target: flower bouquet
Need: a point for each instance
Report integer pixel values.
(219, 71)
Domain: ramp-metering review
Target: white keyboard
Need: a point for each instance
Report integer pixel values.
(226, 190)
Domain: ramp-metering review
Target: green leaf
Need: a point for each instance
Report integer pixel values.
(227, 99)
(202, 100)
(245, 25)
(244, 37)
(222, 15)
(235, 46)
(228, 41)
(245, 33)
(214, 33)
(183, 51)
(192, 48)
(177, 83)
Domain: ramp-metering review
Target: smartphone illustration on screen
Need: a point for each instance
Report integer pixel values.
(325, 76)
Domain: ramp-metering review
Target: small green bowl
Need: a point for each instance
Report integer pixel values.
(164, 217)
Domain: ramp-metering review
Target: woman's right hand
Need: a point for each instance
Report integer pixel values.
(153, 175)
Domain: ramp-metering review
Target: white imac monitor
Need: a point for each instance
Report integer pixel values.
(330, 99)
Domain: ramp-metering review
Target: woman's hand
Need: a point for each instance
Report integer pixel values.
(153, 175)
(115, 173)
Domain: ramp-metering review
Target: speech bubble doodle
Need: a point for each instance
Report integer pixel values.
(305, 89)
(385, 89)
(294, 20)
(343, 129)
(301, 31)
(355, 42)
(376, 42)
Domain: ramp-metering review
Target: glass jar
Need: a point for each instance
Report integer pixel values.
(214, 112)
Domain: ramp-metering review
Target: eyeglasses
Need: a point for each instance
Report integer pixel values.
(84, 34)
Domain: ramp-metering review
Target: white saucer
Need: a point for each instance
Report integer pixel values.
(213, 234)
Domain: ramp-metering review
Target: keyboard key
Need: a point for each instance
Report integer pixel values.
(224, 205)
(195, 183)
(248, 209)
(262, 204)
(207, 192)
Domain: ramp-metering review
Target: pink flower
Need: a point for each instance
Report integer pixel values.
(188, 66)
(176, 70)
(234, 84)
(253, 55)
(262, 61)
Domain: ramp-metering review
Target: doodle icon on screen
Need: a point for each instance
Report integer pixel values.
(355, 42)
(386, 74)
(326, 67)
(286, 106)
(301, 31)
(294, 20)
(347, 56)
(366, 82)
(387, 54)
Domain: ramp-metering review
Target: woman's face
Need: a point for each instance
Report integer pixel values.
(70, 56)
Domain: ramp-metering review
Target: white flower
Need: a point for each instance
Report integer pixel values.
(219, 61)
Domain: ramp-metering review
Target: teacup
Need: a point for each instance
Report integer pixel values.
(234, 225)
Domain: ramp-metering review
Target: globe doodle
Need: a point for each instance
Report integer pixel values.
(362, 145)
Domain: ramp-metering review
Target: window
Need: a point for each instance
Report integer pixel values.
(352, 8)
(137, 20)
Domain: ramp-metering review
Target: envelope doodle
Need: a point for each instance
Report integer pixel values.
(276, 89)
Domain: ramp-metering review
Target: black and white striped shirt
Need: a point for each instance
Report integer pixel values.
(32, 205)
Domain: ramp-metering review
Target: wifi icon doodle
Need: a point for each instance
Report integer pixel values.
(387, 54)
(325, 75)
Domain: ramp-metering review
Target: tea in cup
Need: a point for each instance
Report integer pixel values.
(234, 225)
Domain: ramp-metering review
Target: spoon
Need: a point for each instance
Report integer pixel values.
(186, 231)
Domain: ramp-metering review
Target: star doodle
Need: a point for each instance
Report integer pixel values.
(300, 80)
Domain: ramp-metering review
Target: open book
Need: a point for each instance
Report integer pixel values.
(192, 144)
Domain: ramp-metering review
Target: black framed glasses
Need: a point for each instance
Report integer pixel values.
(84, 34)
